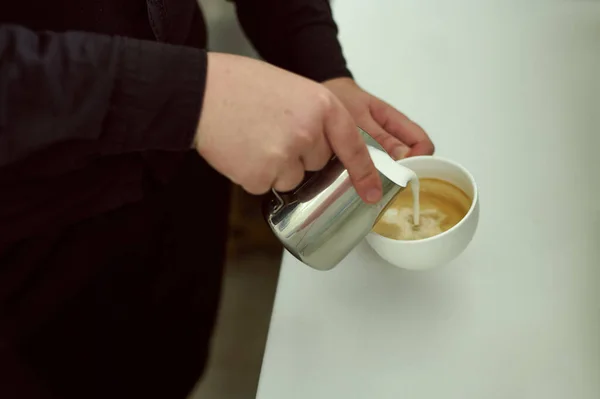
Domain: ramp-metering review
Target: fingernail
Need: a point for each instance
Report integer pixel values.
(400, 152)
(373, 195)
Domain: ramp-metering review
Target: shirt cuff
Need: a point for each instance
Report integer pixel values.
(316, 53)
(157, 97)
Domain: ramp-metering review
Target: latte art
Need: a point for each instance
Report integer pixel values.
(429, 226)
(441, 204)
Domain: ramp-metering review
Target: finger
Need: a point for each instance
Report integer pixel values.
(257, 173)
(347, 143)
(258, 184)
(400, 126)
(316, 157)
(290, 177)
(422, 148)
(394, 147)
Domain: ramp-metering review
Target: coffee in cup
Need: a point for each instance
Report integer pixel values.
(442, 206)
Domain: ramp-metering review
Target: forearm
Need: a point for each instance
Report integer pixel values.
(297, 35)
(118, 94)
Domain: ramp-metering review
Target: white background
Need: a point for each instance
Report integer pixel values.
(512, 92)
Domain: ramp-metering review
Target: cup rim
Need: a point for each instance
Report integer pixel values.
(474, 202)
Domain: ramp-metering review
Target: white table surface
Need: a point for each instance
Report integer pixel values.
(513, 93)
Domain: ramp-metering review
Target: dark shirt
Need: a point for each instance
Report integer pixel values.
(96, 94)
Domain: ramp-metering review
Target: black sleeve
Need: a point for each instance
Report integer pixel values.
(118, 94)
(298, 35)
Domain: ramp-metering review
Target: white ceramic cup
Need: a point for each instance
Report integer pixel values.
(442, 248)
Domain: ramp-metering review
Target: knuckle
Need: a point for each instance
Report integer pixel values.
(363, 169)
(389, 142)
(385, 139)
(361, 177)
(325, 100)
(369, 179)
(359, 154)
(416, 126)
(377, 134)
(277, 157)
(317, 162)
(306, 137)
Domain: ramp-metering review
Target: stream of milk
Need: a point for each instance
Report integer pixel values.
(400, 175)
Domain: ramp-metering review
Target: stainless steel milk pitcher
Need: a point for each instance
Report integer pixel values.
(323, 219)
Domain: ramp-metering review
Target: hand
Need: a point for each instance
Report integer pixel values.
(263, 127)
(397, 134)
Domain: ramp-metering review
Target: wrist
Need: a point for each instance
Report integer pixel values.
(342, 80)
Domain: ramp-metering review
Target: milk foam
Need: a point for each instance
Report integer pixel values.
(402, 220)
